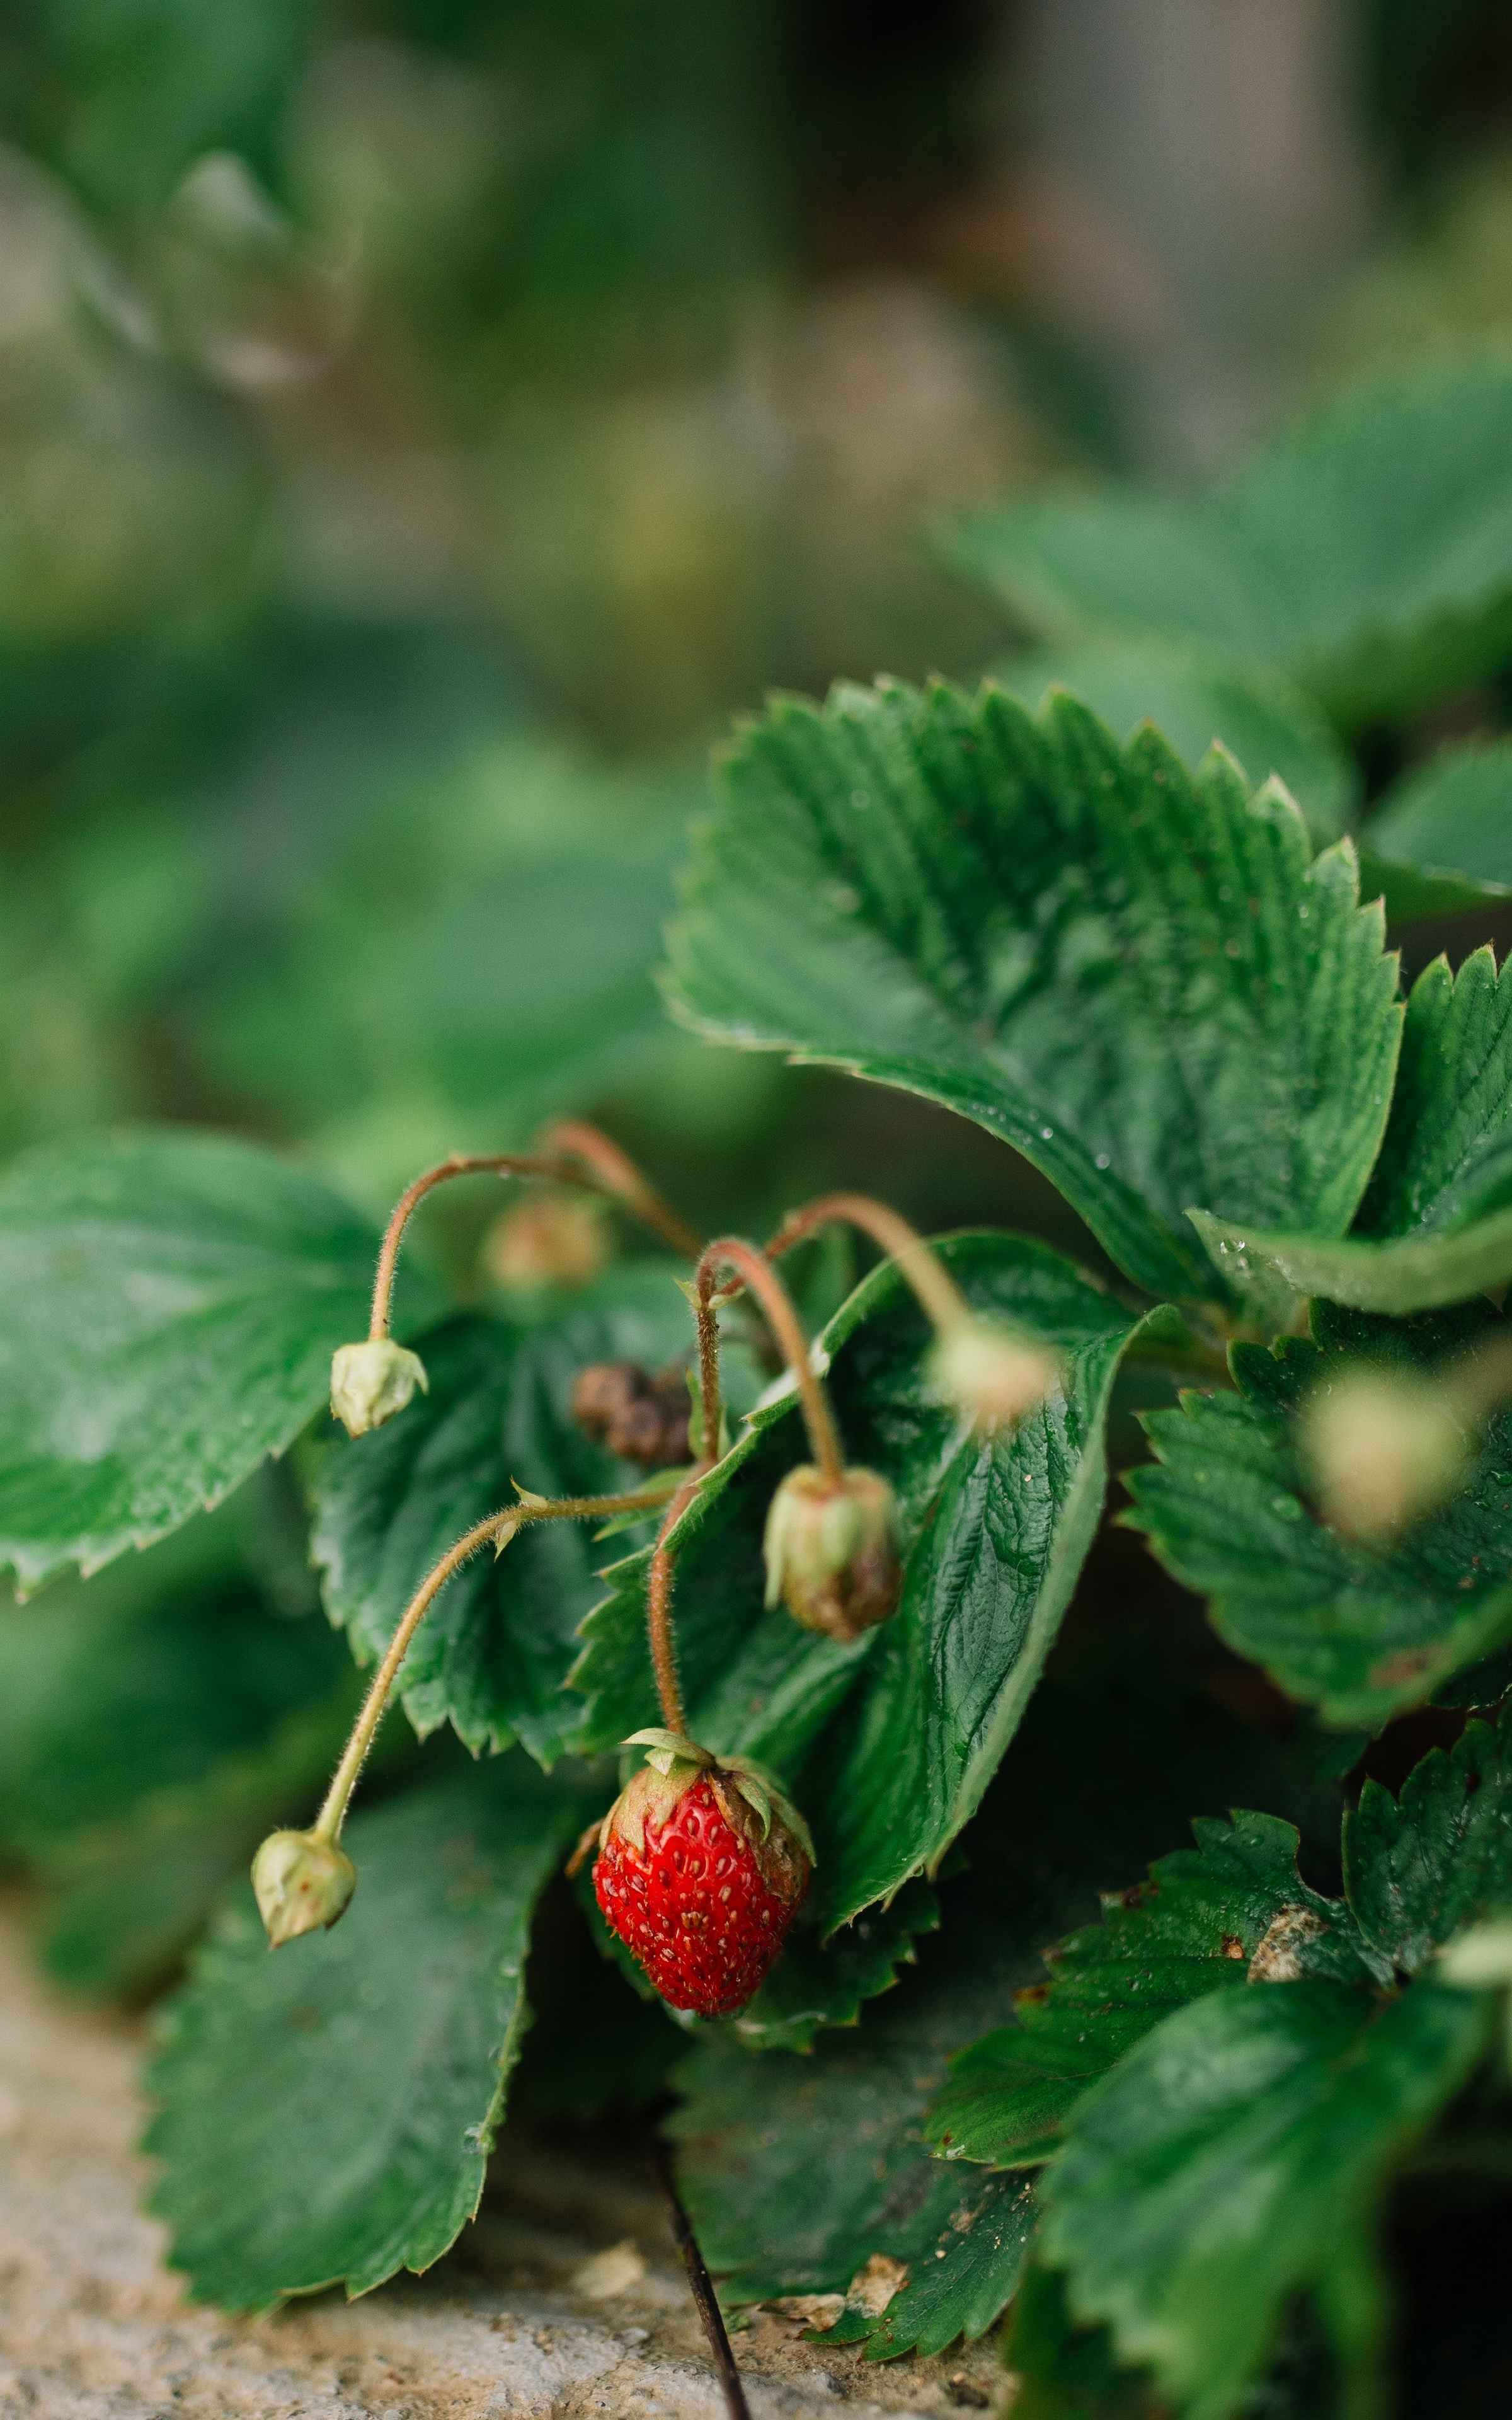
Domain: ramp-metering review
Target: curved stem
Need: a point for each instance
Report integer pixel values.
(498, 1527)
(602, 1167)
(613, 1172)
(918, 1264)
(659, 1606)
(756, 1272)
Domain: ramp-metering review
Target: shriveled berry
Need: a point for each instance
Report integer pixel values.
(702, 1882)
(640, 1416)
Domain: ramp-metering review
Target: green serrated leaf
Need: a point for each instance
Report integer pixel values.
(1231, 2162)
(1357, 1630)
(170, 1304)
(960, 2287)
(1365, 552)
(325, 2112)
(1138, 978)
(1452, 815)
(1195, 1926)
(492, 1655)
(1435, 1224)
(797, 2170)
(1421, 1868)
(917, 1714)
(1194, 698)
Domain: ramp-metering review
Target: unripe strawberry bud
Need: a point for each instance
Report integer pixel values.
(993, 1377)
(548, 1239)
(1383, 1447)
(702, 1866)
(370, 1382)
(832, 1550)
(302, 1882)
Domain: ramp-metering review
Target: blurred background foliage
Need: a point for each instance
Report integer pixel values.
(422, 426)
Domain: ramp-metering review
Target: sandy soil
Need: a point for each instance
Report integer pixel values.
(567, 2302)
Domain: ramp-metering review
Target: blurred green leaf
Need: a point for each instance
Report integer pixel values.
(1233, 2160)
(1451, 815)
(1137, 979)
(1365, 552)
(1358, 1630)
(171, 1302)
(143, 1683)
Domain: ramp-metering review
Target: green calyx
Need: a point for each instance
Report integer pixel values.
(673, 1763)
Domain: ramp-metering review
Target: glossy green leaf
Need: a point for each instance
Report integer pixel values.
(1138, 978)
(1420, 1867)
(916, 1715)
(171, 1302)
(1193, 1927)
(324, 2114)
(1357, 1630)
(492, 1655)
(1363, 550)
(1194, 698)
(1436, 1223)
(1232, 2161)
(960, 2287)
(1451, 815)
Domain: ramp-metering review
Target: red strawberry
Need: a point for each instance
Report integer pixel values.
(702, 1867)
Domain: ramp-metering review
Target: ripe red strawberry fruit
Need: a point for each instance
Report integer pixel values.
(702, 1867)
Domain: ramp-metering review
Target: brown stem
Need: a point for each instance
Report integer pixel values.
(918, 1265)
(704, 2298)
(502, 1524)
(659, 1606)
(615, 1174)
(731, 1251)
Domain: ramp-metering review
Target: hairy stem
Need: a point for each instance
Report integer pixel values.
(570, 1153)
(613, 1172)
(756, 1272)
(498, 1527)
(920, 1267)
(659, 1606)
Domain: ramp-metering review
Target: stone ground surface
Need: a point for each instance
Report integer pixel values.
(567, 2302)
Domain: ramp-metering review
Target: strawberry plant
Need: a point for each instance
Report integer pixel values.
(1103, 1916)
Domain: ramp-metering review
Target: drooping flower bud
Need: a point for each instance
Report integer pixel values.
(547, 1238)
(1383, 1447)
(372, 1381)
(832, 1550)
(302, 1882)
(993, 1377)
